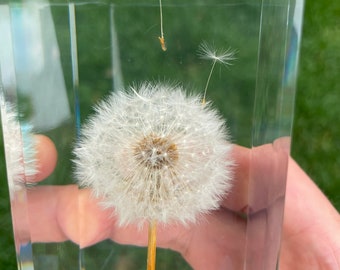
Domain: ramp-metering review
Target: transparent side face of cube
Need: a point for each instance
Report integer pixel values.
(59, 59)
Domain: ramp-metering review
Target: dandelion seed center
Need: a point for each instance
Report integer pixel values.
(156, 152)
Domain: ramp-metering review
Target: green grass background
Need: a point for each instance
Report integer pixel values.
(316, 131)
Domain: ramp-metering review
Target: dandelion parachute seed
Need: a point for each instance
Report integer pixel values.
(155, 154)
(224, 57)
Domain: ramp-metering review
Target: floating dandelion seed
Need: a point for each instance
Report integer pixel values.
(155, 154)
(19, 148)
(224, 57)
(161, 38)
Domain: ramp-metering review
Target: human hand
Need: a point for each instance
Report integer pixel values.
(311, 227)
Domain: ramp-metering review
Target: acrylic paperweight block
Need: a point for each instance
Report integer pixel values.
(148, 134)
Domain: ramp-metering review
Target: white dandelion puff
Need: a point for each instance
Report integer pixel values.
(20, 152)
(155, 154)
(208, 52)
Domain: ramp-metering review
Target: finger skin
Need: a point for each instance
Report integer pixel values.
(96, 224)
(56, 207)
(259, 176)
(63, 217)
(310, 229)
(237, 199)
(46, 157)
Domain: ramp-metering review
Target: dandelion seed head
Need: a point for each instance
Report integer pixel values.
(208, 52)
(155, 153)
(19, 147)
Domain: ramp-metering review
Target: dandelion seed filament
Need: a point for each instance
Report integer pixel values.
(161, 38)
(208, 81)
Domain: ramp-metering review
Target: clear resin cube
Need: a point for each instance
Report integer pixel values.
(148, 134)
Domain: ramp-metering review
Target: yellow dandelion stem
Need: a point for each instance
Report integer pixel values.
(151, 262)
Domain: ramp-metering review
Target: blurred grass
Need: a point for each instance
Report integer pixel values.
(316, 133)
